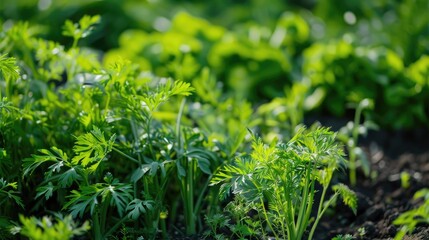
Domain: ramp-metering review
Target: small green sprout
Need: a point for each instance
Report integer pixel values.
(405, 179)
(411, 218)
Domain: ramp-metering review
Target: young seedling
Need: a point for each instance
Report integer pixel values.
(349, 134)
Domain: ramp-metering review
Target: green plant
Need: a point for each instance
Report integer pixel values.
(285, 176)
(343, 237)
(283, 116)
(8, 192)
(80, 30)
(9, 73)
(411, 218)
(47, 229)
(349, 135)
(215, 223)
(405, 179)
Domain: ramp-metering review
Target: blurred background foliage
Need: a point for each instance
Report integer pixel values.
(288, 58)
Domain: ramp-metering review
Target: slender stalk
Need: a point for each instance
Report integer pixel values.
(135, 135)
(164, 229)
(178, 123)
(188, 185)
(290, 212)
(106, 108)
(97, 230)
(75, 41)
(267, 219)
(355, 134)
(309, 208)
(189, 204)
(319, 216)
(104, 210)
(149, 138)
(201, 196)
(302, 209)
(126, 155)
(279, 203)
(116, 226)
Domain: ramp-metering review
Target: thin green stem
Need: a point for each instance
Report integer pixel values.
(149, 138)
(309, 208)
(290, 212)
(319, 216)
(116, 226)
(201, 196)
(97, 230)
(164, 229)
(279, 203)
(267, 219)
(178, 123)
(304, 202)
(191, 227)
(126, 155)
(75, 41)
(136, 136)
(355, 135)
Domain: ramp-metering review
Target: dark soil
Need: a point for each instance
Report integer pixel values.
(382, 199)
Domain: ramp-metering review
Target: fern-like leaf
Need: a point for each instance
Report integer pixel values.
(8, 67)
(137, 207)
(348, 196)
(91, 148)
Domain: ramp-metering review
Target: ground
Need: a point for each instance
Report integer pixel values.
(382, 199)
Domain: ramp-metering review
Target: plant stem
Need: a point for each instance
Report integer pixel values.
(290, 212)
(126, 155)
(355, 135)
(136, 137)
(164, 229)
(319, 215)
(118, 224)
(301, 222)
(178, 123)
(104, 210)
(189, 204)
(267, 219)
(97, 230)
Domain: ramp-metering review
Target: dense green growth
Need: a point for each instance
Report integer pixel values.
(123, 124)
(278, 182)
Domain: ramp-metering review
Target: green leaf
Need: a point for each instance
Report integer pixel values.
(140, 172)
(138, 207)
(91, 148)
(153, 168)
(82, 29)
(8, 67)
(45, 190)
(203, 158)
(204, 165)
(80, 201)
(58, 229)
(30, 164)
(181, 172)
(348, 196)
(69, 176)
(120, 196)
(422, 193)
(180, 88)
(8, 189)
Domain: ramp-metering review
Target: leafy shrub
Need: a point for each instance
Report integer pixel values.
(284, 177)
